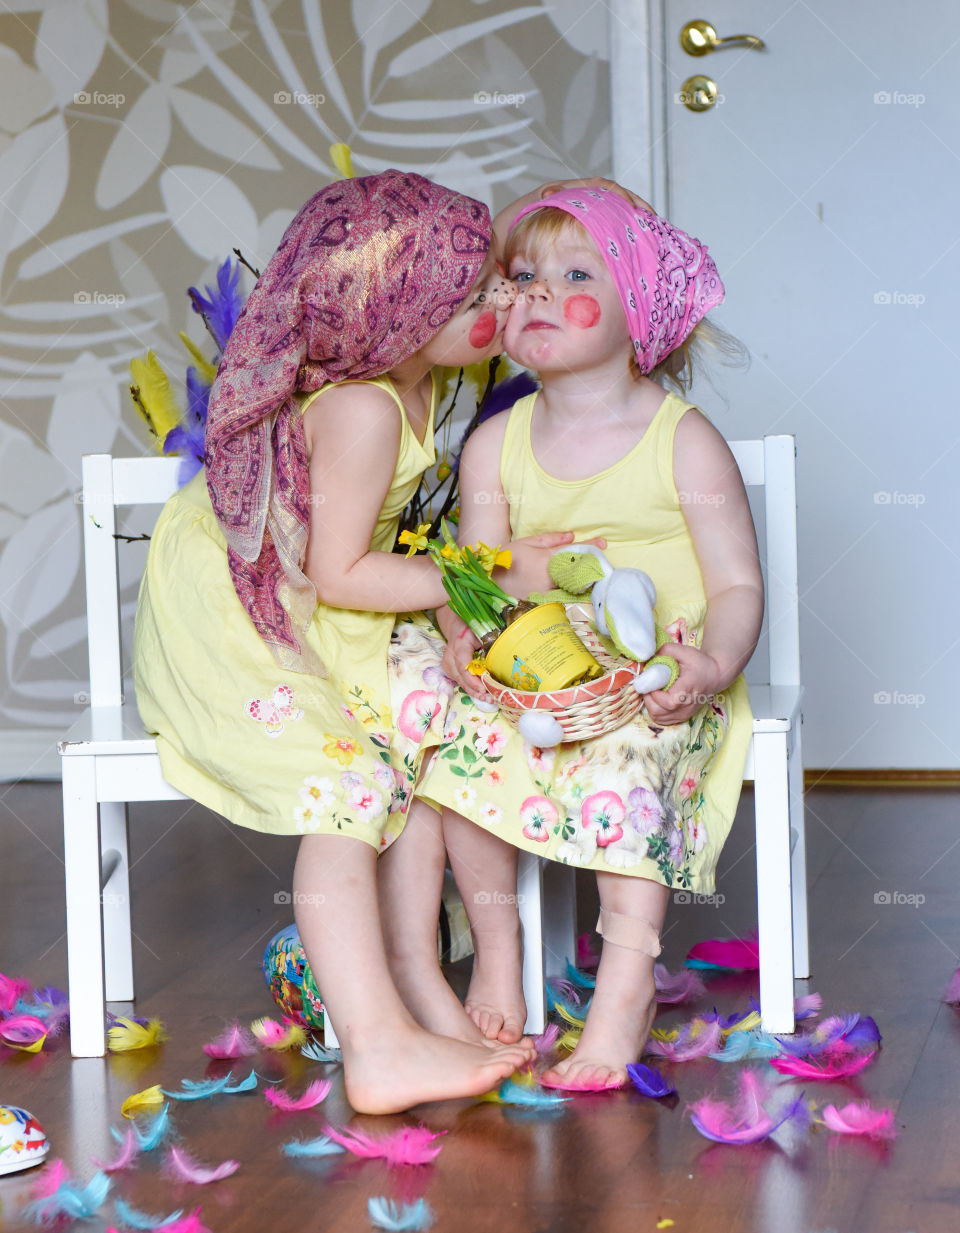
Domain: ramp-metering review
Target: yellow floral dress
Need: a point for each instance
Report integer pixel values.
(646, 801)
(277, 751)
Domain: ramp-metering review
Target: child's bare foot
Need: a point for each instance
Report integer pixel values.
(615, 1032)
(400, 1069)
(495, 999)
(432, 1002)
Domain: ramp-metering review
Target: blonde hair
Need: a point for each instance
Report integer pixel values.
(541, 229)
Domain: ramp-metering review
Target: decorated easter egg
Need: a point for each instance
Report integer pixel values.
(291, 982)
(22, 1140)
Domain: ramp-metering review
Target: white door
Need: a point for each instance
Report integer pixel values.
(825, 181)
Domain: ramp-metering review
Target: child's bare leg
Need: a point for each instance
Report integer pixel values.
(485, 868)
(410, 884)
(623, 1004)
(390, 1062)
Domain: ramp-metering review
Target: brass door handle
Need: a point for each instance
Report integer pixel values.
(698, 38)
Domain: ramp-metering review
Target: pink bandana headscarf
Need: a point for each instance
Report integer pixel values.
(666, 279)
(365, 275)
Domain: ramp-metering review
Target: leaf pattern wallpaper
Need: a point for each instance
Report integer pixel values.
(140, 142)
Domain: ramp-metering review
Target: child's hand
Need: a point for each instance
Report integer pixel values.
(698, 681)
(461, 644)
(531, 557)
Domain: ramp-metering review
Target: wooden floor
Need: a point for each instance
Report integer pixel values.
(203, 902)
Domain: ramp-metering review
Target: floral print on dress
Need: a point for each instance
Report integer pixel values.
(417, 713)
(271, 712)
(341, 748)
(538, 814)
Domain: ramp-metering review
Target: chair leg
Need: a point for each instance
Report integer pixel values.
(798, 860)
(329, 1035)
(559, 915)
(81, 860)
(530, 903)
(774, 902)
(115, 864)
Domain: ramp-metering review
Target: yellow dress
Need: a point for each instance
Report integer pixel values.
(284, 752)
(646, 801)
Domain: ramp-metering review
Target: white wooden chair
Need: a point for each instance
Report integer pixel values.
(546, 890)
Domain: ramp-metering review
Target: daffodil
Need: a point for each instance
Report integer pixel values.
(478, 665)
(494, 558)
(417, 540)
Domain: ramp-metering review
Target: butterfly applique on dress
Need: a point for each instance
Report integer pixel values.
(273, 711)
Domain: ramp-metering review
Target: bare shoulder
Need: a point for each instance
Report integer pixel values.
(358, 408)
(700, 451)
(487, 440)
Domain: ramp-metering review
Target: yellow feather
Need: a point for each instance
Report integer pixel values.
(149, 1098)
(569, 1040)
(126, 1035)
(292, 1038)
(565, 1014)
(342, 160)
(157, 404)
(745, 1025)
(207, 370)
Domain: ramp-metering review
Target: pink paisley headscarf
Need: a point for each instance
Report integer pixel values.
(365, 275)
(666, 279)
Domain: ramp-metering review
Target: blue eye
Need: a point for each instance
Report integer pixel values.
(525, 276)
(578, 276)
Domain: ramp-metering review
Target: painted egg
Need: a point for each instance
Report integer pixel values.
(22, 1139)
(290, 979)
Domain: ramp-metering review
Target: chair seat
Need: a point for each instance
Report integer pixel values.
(107, 730)
(776, 708)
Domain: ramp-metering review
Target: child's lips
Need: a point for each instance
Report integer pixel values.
(539, 325)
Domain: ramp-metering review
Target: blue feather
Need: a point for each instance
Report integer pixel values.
(248, 1084)
(222, 303)
(312, 1147)
(512, 1093)
(320, 1053)
(143, 1220)
(649, 1081)
(70, 1201)
(399, 1217)
(576, 977)
(194, 1089)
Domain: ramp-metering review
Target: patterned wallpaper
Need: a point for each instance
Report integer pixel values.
(140, 142)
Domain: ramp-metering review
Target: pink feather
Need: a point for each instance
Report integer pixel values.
(747, 1121)
(688, 1044)
(128, 1150)
(858, 1118)
(547, 1038)
(51, 1178)
(11, 991)
(189, 1224)
(236, 1041)
(808, 1004)
(740, 954)
(951, 994)
(315, 1093)
(411, 1145)
(586, 958)
(22, 1031)
(183, 1166)
(835, 1065)
(685, 986)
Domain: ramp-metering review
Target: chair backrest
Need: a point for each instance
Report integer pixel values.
(110, 482)
(771, 462)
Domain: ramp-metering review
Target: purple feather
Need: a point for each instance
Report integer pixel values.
(648, 1081)
(222, 304)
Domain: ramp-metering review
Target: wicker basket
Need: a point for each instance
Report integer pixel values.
(591, 709)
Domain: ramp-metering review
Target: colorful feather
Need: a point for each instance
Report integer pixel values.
(649, 1082)
(249, 1084)
(740, 1022)
(547, 1039)
(127, 1034)
(685, 986)
(411, 1145)
(733, 954)
(825, 1068)
(582, 979)
(576, 1021)
(569, 1040)
(189, 1224)
(320, 1053)
(202, 1089)
(206, 372)
(274, 1035)
(11, 990)
(587, 959)
(149, 1098)
(739, 1046)
(51, 1178)
(563, 997)
(696, 1039)
(322, 1146)
(808, 1005)
(151, 1135)
(130, 1147)
(52, 1006)
(142, 1220)
(315, 1093)
(859, 1118)
(154, 398)
(234, 1042)
(182, 1166)
(24, 1032)
(399, 1217)
(70, 1201)
(746, 1121)
(340, 156)
(528, 1095)
(221, 305)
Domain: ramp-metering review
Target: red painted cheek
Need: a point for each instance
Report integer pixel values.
(582, 311)
(483, 329)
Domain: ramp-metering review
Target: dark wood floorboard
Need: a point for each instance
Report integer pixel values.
(204, 906)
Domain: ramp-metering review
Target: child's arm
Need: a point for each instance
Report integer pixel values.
(353, 435)
(718, 516)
